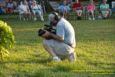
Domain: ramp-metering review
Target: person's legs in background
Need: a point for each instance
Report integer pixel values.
(79, 14)
(91, 15)
(38, 13)
(105, 14)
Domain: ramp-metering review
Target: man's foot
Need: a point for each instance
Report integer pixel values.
(72, 57)
(56, 58)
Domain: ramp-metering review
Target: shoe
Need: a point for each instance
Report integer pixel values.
(42, 19)
(99, 17)
(56, 59)
(89, 18)
(35, 19)
(24, 19)
(93, 18)
(72, 57)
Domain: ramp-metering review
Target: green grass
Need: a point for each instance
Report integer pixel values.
(95, 51)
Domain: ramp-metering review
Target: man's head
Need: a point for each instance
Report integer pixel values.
(54, 18)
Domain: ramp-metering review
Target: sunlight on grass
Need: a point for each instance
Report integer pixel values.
(95, 51)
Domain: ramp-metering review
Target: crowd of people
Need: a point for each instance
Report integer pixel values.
(31, 9)
(103, 8)
(26, 8)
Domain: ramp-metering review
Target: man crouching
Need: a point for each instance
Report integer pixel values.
(62, 44)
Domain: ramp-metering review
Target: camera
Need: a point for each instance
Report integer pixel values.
(48, 28)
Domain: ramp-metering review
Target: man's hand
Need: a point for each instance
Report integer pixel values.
(48, 35)
(45, 34)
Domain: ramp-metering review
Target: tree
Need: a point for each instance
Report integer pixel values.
(6, 39)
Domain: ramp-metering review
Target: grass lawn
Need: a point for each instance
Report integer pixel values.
(95, 51)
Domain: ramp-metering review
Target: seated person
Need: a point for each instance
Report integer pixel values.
(9, 6)
(69, 2)
(37, 10)
(104, 9)
(24, 10)
(90, 10)
(64, 9)
(77, 7)
(113, 6)
(1, 10)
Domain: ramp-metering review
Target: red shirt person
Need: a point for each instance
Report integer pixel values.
(77, 7)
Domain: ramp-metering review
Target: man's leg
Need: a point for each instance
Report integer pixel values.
(64, 51)
(49, 49)
(34, 15)
(40, 15)
(89, 16)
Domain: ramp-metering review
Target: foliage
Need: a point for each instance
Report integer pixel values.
(6, 38)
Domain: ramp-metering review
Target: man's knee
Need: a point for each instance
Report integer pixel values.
(48, 42)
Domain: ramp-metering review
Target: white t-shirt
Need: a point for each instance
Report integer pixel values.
(36, 7)
(23, 8)
(66, 30)
(10, 5)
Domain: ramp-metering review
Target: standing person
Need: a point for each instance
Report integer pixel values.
(90, 10)
(77, 7)
(62, 44)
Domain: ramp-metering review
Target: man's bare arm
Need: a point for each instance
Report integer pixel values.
(49, 35)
